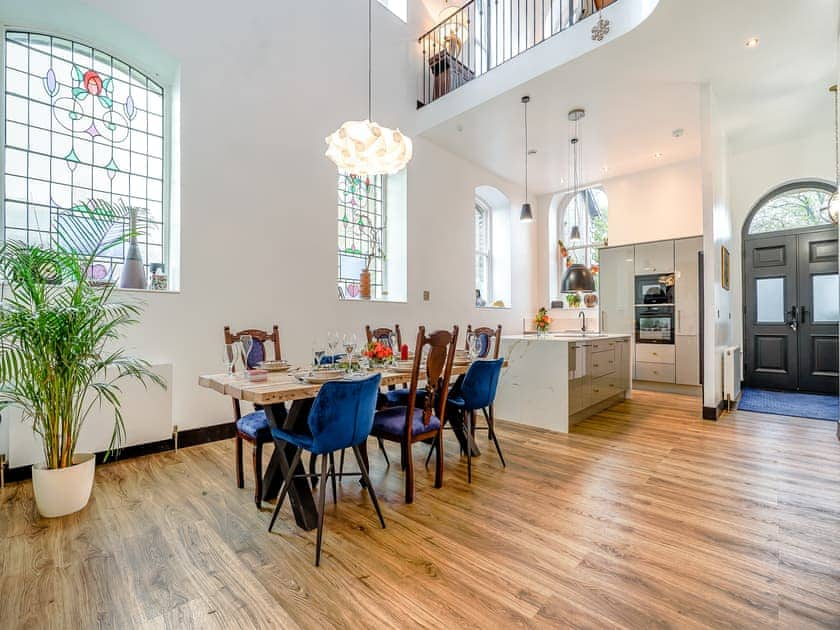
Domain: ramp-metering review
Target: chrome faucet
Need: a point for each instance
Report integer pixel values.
(582, 317)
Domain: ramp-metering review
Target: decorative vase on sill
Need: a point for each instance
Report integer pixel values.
(364, 284)
(133, 274)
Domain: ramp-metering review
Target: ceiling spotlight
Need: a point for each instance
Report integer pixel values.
(606, 169)
(752, 42)
(657, 155)
(679, 132)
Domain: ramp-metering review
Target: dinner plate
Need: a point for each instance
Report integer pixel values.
(325, 376)
(275, 366)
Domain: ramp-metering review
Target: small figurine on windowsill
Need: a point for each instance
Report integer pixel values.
(157, 277)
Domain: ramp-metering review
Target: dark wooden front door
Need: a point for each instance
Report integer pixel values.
(791, 305)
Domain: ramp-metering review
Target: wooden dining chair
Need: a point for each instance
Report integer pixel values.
(383, 334)
(253, 427)
(417, 423)
(488, 338)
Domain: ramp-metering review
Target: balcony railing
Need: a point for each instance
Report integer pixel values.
(484, 34)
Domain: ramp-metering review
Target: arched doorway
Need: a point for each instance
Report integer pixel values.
(791, 291)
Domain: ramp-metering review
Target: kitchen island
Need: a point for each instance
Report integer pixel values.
(556, 380)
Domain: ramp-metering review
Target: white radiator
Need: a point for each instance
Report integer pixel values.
(732, 367)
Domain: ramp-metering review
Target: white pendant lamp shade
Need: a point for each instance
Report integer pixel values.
(363, 147)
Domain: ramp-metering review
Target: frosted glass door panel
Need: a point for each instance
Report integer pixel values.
(826, 298)
(770, 297)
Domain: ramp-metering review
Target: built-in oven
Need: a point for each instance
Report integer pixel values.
(655, 324)
(656, 289)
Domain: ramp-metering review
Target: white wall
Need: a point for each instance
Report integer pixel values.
(755, 172)
(259, 91)
(717, 233)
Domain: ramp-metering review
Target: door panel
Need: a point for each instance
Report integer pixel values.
(654, 258)
(770, 318)
(616, 290)
(819, 311)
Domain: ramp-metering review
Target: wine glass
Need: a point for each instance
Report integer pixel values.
(247, 342)
(395, 347)
(473, 346)
(351, 342)
(229, 355)
(332, 344)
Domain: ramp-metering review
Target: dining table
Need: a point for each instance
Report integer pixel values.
(271, 395)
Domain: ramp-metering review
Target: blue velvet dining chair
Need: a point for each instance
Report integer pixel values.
(253, 427)
(341, 417)
(477, 391)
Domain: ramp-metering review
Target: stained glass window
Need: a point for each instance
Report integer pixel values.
(361, 234)
(80, 124)
(483, 256)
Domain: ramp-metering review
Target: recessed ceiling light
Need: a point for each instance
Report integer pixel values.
(657, 155)
(606, 169)
(752, 42)
(679, 132)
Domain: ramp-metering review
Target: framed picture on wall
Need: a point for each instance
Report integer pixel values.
(724, 267)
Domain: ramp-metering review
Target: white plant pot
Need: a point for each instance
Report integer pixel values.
(62, 491)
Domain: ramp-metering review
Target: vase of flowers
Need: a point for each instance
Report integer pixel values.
(378, 353)
(542, 321)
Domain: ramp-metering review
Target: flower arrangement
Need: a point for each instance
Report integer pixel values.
(378, 352)
(542, 321)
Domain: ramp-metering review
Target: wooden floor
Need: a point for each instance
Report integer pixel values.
(644, 516)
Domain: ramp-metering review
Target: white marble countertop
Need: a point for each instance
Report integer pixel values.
(565, 336)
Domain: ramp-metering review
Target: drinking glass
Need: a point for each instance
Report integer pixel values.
(247, 342)
(318, 352)
(351, 342)
(332, 344)
(231, 351)
(473, 346)
(395, 348)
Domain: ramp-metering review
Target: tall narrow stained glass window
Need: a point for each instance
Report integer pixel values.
(80, 124)
(361, 234)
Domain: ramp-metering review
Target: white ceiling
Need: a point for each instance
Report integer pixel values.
(641, 87)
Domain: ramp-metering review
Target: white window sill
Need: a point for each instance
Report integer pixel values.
(493, 308)
(373, 300)
(168, 291)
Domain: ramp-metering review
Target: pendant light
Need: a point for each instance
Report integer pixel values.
(833, 207)
(526, 215)
(577, 278)
(363, 147)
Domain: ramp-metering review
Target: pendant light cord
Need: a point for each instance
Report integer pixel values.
(370, 59)
(836, 138)
(526, 152)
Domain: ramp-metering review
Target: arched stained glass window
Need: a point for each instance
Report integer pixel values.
(80, 124)
(792, 206)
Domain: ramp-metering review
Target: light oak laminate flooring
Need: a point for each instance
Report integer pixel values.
(643, 516)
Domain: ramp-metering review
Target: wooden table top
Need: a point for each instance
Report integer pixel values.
(284, 387)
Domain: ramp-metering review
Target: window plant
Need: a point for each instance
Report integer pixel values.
(60, 354)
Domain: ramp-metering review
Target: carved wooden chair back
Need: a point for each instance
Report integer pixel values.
(439, 357)
(383, 335)
(489, 337)
(260, 338)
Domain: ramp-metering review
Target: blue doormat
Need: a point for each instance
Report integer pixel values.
(818, 406)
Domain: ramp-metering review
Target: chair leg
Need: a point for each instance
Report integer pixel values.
(491, 424)
(322, 495)
(313, 479)
(370, 489)
(258, 474)
(341, 463)
(240, 473)
(287, 483)
(384, 452)
(408, 465)
(439, 460)
(431, 452)
(469, 418)
(332, 476)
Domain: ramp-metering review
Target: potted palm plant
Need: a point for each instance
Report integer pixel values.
(60, 354)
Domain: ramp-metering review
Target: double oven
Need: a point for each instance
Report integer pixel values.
(655, 309)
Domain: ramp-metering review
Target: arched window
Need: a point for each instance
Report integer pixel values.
(81, 124)
(483, 255)
(583, 226)
(491, 219)
(796, 205)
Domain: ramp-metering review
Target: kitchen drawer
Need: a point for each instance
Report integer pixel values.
(602, 388)
(655, 353)
(603, 362)
(661, 372)
(604, 344)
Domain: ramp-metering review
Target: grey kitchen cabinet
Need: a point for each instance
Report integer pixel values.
(652, 258)
(616, 289)
(687, 304)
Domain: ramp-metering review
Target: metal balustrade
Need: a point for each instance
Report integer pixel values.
(484, 34)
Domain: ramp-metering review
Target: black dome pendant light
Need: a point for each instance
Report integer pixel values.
(577, 278)
(526, 215)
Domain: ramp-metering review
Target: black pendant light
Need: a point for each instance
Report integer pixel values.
(526, 215)
(577, 278)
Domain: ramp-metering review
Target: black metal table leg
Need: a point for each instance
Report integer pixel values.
(300, 492)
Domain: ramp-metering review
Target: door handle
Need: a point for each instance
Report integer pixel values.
(793, 322)
(802, 312)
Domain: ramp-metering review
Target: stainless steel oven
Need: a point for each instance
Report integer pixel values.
(655, 324)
